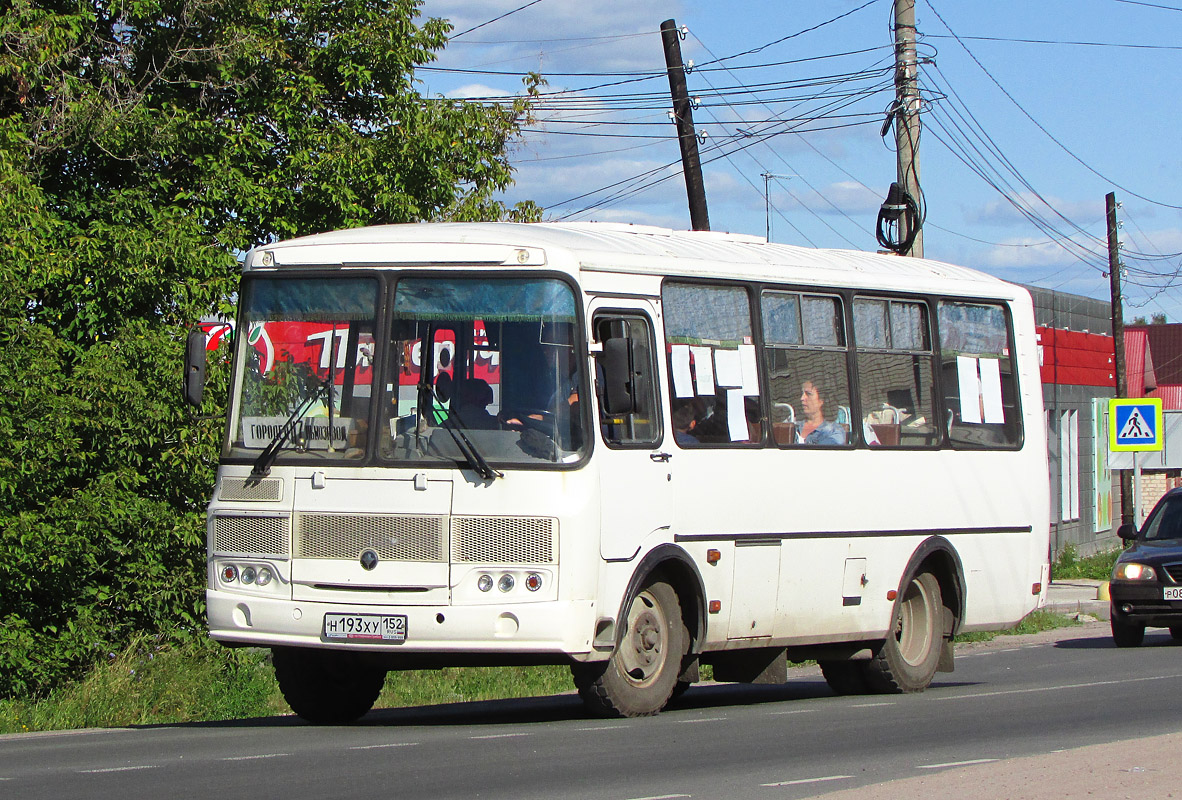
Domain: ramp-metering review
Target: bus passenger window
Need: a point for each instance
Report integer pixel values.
(895, 378)
(808, 382)
(712, 363)
(977, 376)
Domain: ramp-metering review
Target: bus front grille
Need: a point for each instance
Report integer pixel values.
(264, 536)
(504, 540)
(246, 489)
(392, 537)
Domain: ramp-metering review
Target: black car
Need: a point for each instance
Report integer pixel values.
(1146, 585)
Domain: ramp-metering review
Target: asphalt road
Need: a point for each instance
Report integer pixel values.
(1018, 696)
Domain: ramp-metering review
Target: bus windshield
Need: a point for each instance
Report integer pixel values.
(486, 365)
(306, 368)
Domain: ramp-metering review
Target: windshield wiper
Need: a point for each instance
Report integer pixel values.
(262, 465)
(464, 444)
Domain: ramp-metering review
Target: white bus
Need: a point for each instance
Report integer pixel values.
(626, 449)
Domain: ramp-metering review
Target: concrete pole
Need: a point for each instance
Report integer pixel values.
(907, 125)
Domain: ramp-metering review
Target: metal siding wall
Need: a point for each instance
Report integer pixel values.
(1072, 312)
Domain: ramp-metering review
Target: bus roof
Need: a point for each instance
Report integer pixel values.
(614, 247)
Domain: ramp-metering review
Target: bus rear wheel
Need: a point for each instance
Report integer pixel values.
(640, 676)
(326, 688)
(908, 658)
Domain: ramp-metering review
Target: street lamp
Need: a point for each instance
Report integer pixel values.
(767, 205)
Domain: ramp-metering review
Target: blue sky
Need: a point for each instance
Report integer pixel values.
(1035, 109)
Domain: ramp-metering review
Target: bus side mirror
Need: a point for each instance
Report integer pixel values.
(1127, 531)
(194, 383)
(617, 376)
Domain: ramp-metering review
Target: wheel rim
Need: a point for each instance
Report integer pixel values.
(644, 649)
(913, 630)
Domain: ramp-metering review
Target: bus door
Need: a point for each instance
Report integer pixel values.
(633, 463)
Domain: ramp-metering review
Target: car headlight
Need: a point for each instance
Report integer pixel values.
(1132, 571)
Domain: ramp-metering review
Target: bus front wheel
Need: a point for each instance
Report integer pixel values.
(326, 688)
(641, 674)
(908, 658)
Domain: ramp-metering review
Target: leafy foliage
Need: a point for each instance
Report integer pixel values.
(144, 144)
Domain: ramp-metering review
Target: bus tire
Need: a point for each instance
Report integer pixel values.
(1127, 634)
(845, 677)
(326, 688)
(640, 676)
(908, 658)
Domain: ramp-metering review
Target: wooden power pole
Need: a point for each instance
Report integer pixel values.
(907, 125)
(1118, 341)
(683, 115)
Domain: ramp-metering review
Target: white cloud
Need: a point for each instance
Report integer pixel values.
(1003, 212)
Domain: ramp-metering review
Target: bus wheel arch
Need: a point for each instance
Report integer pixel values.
(659, 629)
(928, 610)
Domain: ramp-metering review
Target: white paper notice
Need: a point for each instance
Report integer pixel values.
(750, 370)
(735, 417)
(728, 368)
(991, 389)
(704, 369)
(683, 381)
(970, 389)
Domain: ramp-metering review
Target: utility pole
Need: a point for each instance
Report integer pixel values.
(907, 126)
(1127, 512)
(683, 115)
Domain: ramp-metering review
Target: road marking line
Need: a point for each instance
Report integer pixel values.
(793, 711)
(116, 769)
(254, 758)
(704, 719)
(870, 705)
(803, 781)
(604, 728)
(661, 797)
(376, 746)
(500, 736)
(1087, 685)
(958, 763)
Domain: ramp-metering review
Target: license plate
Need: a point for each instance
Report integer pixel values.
(385, 628)
(1172, 593)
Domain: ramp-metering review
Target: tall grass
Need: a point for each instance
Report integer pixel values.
(1070, 565)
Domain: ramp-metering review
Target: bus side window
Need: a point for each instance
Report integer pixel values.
(714, 390)
(896, 383)
(978, 380)
(808, 381)
(629, 339)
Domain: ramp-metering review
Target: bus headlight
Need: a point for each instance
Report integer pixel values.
(229, 573)
(506, 583)
(533, 581)
(264, 577)
(484, 583)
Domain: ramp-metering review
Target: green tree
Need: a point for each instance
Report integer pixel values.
(144, 144)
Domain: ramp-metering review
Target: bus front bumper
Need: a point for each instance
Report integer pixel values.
(559, 628)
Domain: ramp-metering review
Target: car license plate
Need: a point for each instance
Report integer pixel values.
(385, 628)
(1172, 593)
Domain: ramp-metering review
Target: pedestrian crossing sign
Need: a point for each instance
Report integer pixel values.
(1135, 423)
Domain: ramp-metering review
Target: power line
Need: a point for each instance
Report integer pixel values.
(1039, 125)
(1056, 41)
(1148, 5)
(494, 19)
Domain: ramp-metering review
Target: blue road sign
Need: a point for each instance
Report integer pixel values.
(1135, 423)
